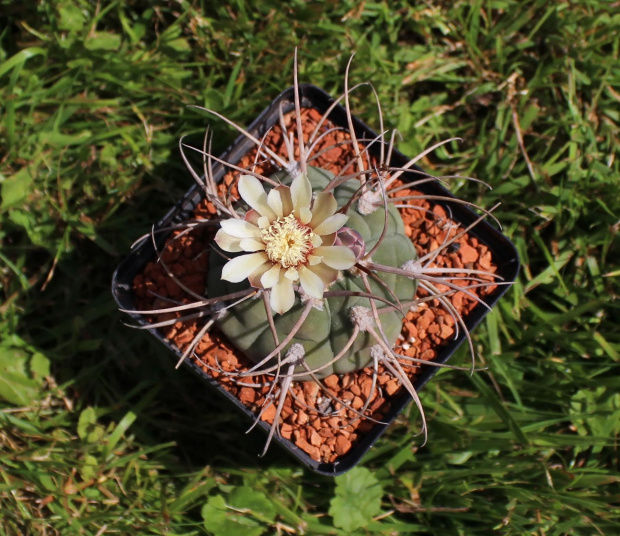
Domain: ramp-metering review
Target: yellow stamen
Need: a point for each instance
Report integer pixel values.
(287, 241)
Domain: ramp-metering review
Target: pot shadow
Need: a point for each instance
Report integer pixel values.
(107, 365)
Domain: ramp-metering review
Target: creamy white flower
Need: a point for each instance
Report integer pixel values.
(287, 239)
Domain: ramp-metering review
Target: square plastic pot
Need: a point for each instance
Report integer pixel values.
(503, 252)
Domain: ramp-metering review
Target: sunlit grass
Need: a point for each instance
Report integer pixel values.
(98, 434)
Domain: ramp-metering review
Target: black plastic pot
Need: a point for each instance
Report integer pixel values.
(503, 251)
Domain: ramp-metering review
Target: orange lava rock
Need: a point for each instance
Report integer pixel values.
(269, 414)
(346, 396)
(343, 445)
(314, 438)
(391, 387)
(427, 355)
(331, 381)
(316, 423)
(311, 390)
(467, 254)
(425, 320)
(247, 395)
(286, 430)
(357, 403)
(439, 212)
(183, 339)
(382, 379)
(313, 451)
(302, 417)
(367, 387)
(485, 261)
(446, 331)
(411, 330)
(334, 422)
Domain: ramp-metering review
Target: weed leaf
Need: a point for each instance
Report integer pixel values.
(17, 384)
(247, 512)
(357, 499)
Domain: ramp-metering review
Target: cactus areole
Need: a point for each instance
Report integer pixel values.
(294, 242)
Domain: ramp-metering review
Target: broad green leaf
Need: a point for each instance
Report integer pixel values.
(38, 232)
(87, 427)
(81, 62)
(246, 498)
(222, 520)
(39, 366)
(89, 467)
(357, 499)
(71, 18)
(17, 384)
(17, 187)
(103, 41)
(596, 412)
(179, 44)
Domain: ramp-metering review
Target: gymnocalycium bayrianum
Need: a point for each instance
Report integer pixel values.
(311, 273)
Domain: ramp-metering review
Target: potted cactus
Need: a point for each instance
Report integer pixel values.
(308, 273)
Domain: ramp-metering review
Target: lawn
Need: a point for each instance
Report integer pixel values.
(99, 434)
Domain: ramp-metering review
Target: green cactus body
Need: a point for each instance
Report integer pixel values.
(325, 332)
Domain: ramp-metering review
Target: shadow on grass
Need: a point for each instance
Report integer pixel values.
(100, 362)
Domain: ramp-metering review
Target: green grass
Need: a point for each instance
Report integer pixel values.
(98, 435)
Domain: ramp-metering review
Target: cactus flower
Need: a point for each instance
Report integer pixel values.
(286, 239)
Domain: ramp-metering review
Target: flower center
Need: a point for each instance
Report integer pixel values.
(287, 241)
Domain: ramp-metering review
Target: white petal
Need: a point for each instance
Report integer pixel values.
(292, 274)
(240, 228)
(252, 191)
(313, 259)
(301, 192)
(317, 241)
(338, 257)
(324, 206)
(311, 283)
(331, 224)
(227, 242)
(254, 277)
(239, 268)
(305, 215)
(285, 199)
(271, 276)
(282, 296)
(252, 216)
(328, 240)
(274, 200)
(251, 244)
(263, 222)
(328, 275)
